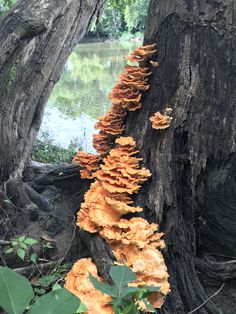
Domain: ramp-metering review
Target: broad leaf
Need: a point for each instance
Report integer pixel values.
(56, 302)
(102, 286)
(21, 253)
(82, 308)
(122, 275)
(151, 288)
(129, 290)
(15, 291)
(30, 241)
(34, 258)
(148, 305)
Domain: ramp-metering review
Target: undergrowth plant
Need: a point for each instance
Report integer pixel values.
(20, 245)
(125, 299)
(17, 297)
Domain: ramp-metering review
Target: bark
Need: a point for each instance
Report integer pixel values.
(36, 40)
(191, 193)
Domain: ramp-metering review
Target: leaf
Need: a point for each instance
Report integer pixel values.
(15, 291)
(122, 275)
(148, 305)
(14, 243)
(34, 258)
(21, 239)
(30, 241)
(8, 251)
(56, 302)
(21, 253)
(82, 308)
(101, 286)
(23, 246)
(7, 201)
(56, 286)
(151, 288)
(129, 290)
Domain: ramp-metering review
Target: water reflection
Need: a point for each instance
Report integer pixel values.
(81, 94)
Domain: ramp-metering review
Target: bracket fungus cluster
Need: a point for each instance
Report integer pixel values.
(161, 121)
(125, 96)
(117, 175)
(88, 163)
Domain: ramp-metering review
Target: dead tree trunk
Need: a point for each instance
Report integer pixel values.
(192, 191)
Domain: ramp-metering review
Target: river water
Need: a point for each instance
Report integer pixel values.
(81, 94)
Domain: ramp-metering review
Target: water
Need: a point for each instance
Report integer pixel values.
(81, 94)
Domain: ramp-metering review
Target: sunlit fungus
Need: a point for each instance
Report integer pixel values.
(78, 283)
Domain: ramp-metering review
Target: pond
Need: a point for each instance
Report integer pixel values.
(81, 94)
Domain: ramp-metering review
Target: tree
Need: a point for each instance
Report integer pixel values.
(193, 163)
(192, 189)
(36, 40)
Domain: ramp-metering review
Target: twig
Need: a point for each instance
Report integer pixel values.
(3, 242)
(200, 306)
(29, 269)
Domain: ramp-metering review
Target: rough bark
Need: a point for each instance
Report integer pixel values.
(192, 189)
(36, 39)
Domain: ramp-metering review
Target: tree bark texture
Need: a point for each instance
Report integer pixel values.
(192, 191)
(36, 39)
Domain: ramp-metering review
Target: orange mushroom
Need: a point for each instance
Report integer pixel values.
(160, 121)
(142, 53)
(78, 283)
(88, 161)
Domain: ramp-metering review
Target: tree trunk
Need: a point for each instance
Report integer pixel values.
(192, 191)
(36, 39)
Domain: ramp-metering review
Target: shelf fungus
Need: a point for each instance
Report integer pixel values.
(113, 122)
(107, 199)
(78, 283)
(88, 163)
(117, 173)
(141, 54)
(161, 122)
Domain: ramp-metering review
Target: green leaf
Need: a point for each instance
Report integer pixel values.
(151, 288)
(40, 291)
(129, 290)
(7, 201)
(30, 241)
(15, 291)
(8, 251)
(34, 258)
(82, 308)
(122, 275)
(101, 286)
(56, 286)
(21, 253)
(56, 302)
(14, 243)
(149, 306)
(23, 246)
(21, 239)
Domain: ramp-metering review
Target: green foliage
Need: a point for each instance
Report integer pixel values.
(46, 281)
(124, 298)
(16, 296)
(15, 291)
(20, 245)
(121, 16)
(5, 5)
(44, 150)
